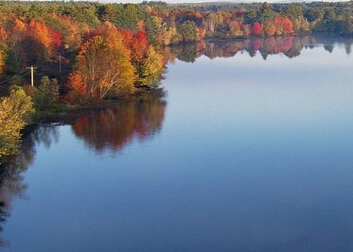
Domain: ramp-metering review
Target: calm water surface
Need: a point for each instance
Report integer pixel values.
(243, 154)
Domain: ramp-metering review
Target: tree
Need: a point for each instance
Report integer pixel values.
(16, 35)
(257, 29)
(152, 68)
(104, 63)
(15, 113)
(269, 27)
(301, 25)
(2, 57)
(247, 30)
(188, 31)
(267, 13)
(313, 14)
(349, 25)
(138, 46)
(70, 31)
(47, 93)
(287, 26)
(278, 22)
(77, 83)
(252, 14)
(36, 45)
(235, 28)
(293, 11)
(330, 14)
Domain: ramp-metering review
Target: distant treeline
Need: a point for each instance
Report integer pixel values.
(52, 33)
(58, 37)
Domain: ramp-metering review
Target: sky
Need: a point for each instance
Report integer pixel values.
(203, 1)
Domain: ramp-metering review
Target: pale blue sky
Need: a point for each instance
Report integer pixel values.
(202, 1)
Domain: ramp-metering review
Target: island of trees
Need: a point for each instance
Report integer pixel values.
(79, 52)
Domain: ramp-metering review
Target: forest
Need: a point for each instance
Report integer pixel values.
(83, 52)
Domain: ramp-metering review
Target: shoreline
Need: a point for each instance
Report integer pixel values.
(71, 112)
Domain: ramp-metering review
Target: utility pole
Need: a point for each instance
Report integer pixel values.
(32, 74)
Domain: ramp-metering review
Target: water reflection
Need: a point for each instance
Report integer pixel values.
(110, 129)
(290, 46)
(113, 128)
(238, 166)
(12, 170)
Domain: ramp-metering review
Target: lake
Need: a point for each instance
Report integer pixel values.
(249, 149)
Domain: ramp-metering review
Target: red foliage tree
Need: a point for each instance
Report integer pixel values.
(56, 40)
(287, 26)
(257, 29)
(127, 36)
(39, 32)
(138, 46)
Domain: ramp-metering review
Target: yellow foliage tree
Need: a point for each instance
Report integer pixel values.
(269, 27)
(104, 63)
(152, 68)
(15, 112)
(2, 59)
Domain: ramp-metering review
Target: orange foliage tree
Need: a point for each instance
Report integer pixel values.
(103, 64)
(138, 46)
(287, 26)
(16, 34)
(71, 31)
(77, 83)
(147, 62)
(283, 25)
(36, 44)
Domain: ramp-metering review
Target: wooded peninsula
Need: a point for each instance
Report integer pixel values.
(56, 55)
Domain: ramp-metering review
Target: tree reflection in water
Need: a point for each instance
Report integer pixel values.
(111, 129)
(290, 46)
(13, 168)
